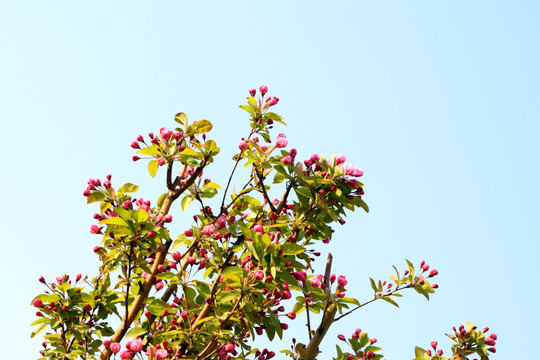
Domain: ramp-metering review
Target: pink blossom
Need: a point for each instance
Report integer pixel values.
(243, 145)
(351, 170)
(165, 133)
(177, 135)
(281, 141)
(300, 276)
(286, 160)
(95, 229)
(221, 221)
(176, 256)
(136, 345)
(124, 355)
(340, 159)
(316, 282)
(115, 347)
(208, 229)
(341, 281)
(258, 275)
(161, 354)
(314, 158)
(291, 315)
(263, 89)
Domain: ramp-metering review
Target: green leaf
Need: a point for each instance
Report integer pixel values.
(251, 101)
(152, 167)
(181, 118)
(201, 126)
(114, 221)
(420, 354)
(179, 241)
(167, 276)
(96, 196)
(128, 188)
(136, 331)
(39, 329)
(248, 108)
(305, 192)
(186, 201)
(150, 150)
(388, 299)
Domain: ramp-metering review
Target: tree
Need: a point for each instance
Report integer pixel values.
(206, 293)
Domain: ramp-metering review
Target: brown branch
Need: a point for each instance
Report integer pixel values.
(327, 320)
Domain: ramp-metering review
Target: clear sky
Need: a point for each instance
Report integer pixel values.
(438, 102)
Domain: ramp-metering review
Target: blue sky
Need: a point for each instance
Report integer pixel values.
(436, 101)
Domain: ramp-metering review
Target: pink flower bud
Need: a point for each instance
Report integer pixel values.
(340, 159)
(161, 354)
(316, 282)
(258, 228)
(135, 158)
(373, 341)
(341, 294)
(167, 218)
(434, 345)
(209, 229)
(263, 89)
(176, 256)
(136, 345)
(125, 355)
(341, 337)
(433, 273)
(286, 160)
(177, 135)
(191, 260)
(281, 141)
(140, 138)
(492, 349)
(425, 267)
(258, 275)
(78, 277)
(300, 276)
(439, 352)
(135, 145)
(243, 145)
(252, 92)
(486, 329)
(188, 232)
(95, 229)
(272, 101)
(161, 161)
(165, 133)
(221, 221)
(350, 357)
(284, 326)
(493, 336)
(42, 279)
(159, 285)
(115, 347)
(37, 303)
(341, 281)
